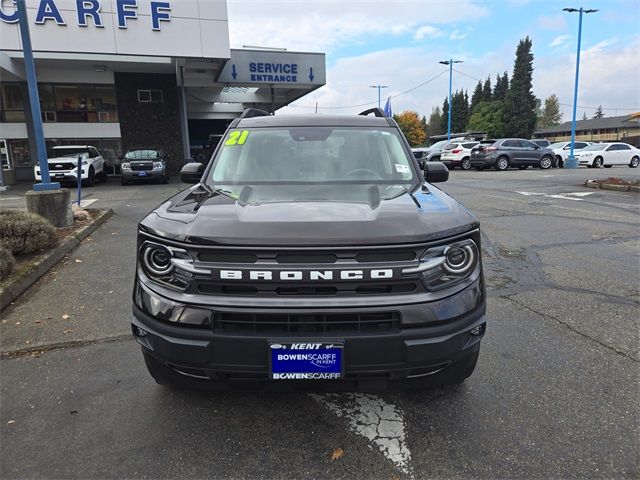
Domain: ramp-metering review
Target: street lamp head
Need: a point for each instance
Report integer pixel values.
(570, 10)
(444, 62)
(590, 11)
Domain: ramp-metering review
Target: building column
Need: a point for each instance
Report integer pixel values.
(184, 122)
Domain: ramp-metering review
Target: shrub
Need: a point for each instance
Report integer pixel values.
(24, 233)
(7, 262)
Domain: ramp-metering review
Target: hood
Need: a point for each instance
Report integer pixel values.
(196, 216)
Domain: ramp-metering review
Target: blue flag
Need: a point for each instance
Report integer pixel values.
(387, 108)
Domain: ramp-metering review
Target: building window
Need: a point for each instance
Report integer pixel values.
(150, 96)
(61, 103)
(11, 103)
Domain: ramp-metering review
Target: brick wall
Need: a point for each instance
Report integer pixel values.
(154, 125)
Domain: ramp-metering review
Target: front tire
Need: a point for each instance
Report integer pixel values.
(545, 163)
(465, 164)
(635, 161)
(597, 162)
(502, 164)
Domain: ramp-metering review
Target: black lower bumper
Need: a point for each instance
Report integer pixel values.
(415, 357)
(484, 162)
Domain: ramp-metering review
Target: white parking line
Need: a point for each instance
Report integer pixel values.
(561, 196)
(9, 199)
(373, 418)
(86, 203)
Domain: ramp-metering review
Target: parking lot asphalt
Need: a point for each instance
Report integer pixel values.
(555, 393)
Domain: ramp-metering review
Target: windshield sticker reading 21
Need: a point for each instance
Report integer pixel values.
(237, 137)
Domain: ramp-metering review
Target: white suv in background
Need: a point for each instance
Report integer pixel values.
(457, 154)
(63, 165)
(561, 151)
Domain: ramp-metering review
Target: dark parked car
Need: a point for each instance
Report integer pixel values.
(293, 264)
(148, 164)
(511, 152)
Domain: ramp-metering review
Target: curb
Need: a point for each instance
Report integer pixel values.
(22, 281)
(611, 186)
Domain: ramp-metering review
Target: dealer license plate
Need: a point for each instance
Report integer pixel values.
(306, 360)
(142, 174)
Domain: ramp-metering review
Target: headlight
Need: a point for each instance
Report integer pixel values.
(125, 166)
(446, 265)
(585, 155)
(158, 166)
(169, 266)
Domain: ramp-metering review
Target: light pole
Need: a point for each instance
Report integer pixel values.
(450, 62)
(572, 162)
(379, 87)
(34, 101)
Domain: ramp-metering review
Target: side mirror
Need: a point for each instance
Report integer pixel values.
(536, 146)
(435, 172)
(191, 172)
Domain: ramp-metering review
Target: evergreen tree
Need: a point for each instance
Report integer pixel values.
(502, 86)
(476, 98)
(486, 90)
(520, 103)
(434, 125)
(445, 115)
(551, 114)
(488, 117)
(599, 113)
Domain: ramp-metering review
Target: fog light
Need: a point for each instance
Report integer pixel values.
(140, 332)
(475, 331)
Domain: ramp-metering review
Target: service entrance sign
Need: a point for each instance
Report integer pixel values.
(257, 67)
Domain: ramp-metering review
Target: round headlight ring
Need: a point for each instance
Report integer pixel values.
(157, 260)
(459, 259)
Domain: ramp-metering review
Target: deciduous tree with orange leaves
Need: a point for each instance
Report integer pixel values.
(412, 127)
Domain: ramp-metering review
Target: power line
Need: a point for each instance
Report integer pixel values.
(374, 103)
(564, 104)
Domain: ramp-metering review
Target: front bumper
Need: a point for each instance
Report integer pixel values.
(61, 176)
(131, 175)
(372, 361)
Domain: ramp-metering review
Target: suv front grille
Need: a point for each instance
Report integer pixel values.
(139, 167)
(335, 259)
(301, 324)
(62, 166)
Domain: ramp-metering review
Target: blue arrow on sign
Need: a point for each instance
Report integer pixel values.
(234, 74)
(311, 74)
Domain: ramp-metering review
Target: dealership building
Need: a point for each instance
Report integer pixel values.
(125, 74)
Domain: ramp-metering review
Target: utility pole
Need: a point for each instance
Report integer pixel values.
(572, 162)
(450, 62)
(379, 87)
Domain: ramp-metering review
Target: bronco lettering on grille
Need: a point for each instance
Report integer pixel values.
(304, 275)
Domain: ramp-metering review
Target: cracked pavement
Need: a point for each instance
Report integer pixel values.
(555, 393)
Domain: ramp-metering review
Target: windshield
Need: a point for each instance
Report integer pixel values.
(69, 152)
(141, 155)
(595, 146)
(307, 162)
(439, 145)
(553, 146)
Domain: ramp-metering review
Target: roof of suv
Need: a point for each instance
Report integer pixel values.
(315, 121)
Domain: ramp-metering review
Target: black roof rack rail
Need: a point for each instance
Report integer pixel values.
(254, 112)
(378, 112)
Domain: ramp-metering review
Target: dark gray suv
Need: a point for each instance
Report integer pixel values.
(311, 253)
(511, 152)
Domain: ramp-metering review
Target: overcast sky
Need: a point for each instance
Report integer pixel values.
(399, 43)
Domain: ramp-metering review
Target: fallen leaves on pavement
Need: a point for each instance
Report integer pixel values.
(337, 453)
(66, 316)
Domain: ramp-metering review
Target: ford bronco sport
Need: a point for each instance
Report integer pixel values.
(312, 253)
